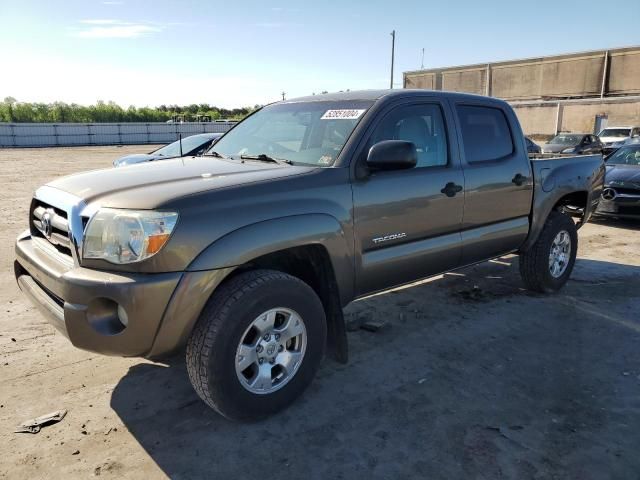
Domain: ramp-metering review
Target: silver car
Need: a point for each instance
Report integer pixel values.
(191, 146)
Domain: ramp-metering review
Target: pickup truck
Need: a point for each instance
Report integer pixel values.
(247, 255)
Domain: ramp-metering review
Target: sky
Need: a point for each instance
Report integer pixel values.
(241, 53)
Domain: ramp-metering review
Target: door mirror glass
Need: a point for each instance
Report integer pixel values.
(392, 155)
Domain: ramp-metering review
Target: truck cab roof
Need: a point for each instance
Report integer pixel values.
(374, 95)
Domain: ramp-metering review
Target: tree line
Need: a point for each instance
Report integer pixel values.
(13, 111)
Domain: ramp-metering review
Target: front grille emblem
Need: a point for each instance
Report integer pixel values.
(47, 228)
(609, 194)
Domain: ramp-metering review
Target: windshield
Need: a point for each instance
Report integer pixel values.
(625, 156)
(565, 139)
(615, 132)
(188, 144)
(310, 133)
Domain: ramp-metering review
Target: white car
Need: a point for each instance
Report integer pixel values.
(613, 138)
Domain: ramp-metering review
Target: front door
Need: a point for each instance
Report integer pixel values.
(407, 222)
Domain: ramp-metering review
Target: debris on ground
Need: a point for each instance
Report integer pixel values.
(474, 294)
(35, 424)
(375, 326)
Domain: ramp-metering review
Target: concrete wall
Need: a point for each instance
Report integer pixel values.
(472, 80)
(605, 82)
(577, 75)
(539, 120)
(624, 73)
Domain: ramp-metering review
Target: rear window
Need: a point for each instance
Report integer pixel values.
(615, 132)
(485, 133)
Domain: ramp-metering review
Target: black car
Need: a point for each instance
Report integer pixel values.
(191, 146)
(621, 193)
(573, 143)
(532, 147)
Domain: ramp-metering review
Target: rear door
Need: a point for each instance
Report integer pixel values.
(498, 180)
(407, 222)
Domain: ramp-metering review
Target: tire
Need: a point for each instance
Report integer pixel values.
(535, 268)
(229, 319)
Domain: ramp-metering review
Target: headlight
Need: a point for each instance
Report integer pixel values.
(127, 236)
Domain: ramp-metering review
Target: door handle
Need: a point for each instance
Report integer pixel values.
(519, 179)
(450, 189)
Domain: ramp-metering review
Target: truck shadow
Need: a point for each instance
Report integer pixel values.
(475, 376)
(626, 223)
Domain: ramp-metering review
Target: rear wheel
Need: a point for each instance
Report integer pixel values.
(257, 344)
(548, 264)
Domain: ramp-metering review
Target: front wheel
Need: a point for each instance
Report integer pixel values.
(257, 344)
(548, 264)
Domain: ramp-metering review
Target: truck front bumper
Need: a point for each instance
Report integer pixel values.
(112, 313)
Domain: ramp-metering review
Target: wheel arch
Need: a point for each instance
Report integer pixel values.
(311, 247)
(246, 244)
(574, 202)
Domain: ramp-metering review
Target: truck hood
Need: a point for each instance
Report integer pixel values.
(152, 184)
(613, 139)
(623, 176)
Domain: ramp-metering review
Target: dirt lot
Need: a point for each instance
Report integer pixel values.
(476, 378)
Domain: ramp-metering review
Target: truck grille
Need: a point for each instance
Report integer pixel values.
(51, 224)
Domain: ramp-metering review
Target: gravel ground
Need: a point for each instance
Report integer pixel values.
(475, 378)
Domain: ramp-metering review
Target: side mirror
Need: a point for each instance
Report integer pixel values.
(392, 155)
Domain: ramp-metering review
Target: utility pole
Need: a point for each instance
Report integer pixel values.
(393, 51)
(283, 94)
(422, 63)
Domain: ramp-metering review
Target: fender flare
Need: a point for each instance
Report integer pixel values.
(559, 183)
(255, 240)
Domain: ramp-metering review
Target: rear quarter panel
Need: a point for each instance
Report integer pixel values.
(555, 178)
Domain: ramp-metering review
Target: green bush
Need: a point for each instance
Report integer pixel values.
(13, 111)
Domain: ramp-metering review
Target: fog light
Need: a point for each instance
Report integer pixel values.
(106, 316)
(122, 316)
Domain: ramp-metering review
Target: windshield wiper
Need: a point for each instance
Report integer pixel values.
(263, 157)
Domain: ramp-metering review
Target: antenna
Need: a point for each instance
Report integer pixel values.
(180, 140)
(393, 51)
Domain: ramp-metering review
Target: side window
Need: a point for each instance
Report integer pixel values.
(485, 133)
(421, 124)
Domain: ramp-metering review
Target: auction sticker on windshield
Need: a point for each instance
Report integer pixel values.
(351, 114)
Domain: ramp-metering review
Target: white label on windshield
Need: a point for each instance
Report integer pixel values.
(342, 114)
